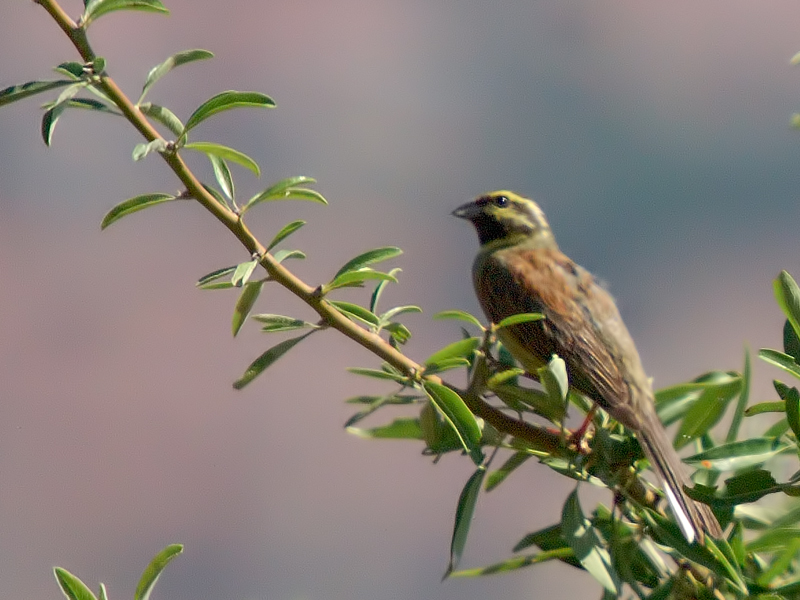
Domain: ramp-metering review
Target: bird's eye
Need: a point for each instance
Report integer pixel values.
(501, 201)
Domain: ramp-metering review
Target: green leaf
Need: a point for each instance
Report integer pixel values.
(369, 258)
(263, 362)
(708, 409)
(743, 454)
(773, 539)
(31, 88)
(213, 276)
(245, 304)
(399, 429)
(378, 374)
(499, 476)
(140, 151)
(780, 360)
(285, 232)
(52, 114)
(399, 310)
(176, 60)
(356, 279)
(446, 364)
(376, 294)
(98, 8)
(459, 416)
(520, 318)
(741, 403)
(791, 343)
(273, 323)
(765, 407)
(586, 544)
(88, 104)
(399, 332)
(464, 512)
(518, 398)
(554, 380)
(517, 562)
(793, 411)
(460, 349)
(72, 587)
(132, 205)
(222, 174)
(355, 312)
(459, 315)
(286, 189)
(162, 115)
(240, 158)
(243, 272)
(282, 255)
(73, 70)
(227, 101)
(154, 569)
(787, 295)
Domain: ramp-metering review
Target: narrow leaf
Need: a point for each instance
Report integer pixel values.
(378, 374)
(132, 205)
(72, 587)
(520, 318)
(223, 175)
(708, 409)
(368, 258)
(140, 151)
(245, 304)
(780, 360)
(180, 58)
(354, 311)
(376, 295)
(459, 416)
(282, 255)
(98, 8)
(765, 407)
(517, 562)
(240, 158)
(459, 315)
(399, 310)
(243, 272)
(399, 429)
(154, 569)
(460, 349)
(464, 512)
(587, 546)
(273, 323)
(741, 403)
(793, 411)
(226, 101)
(788, 296)
(499, 476)
(286, 189)
(356, 279)
(52, 114)
(285, 232)
(163, 115)
(214, 275)
(743, 454)
(25, 90)
(263, 362)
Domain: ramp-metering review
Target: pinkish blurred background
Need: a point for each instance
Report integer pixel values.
(655, 135)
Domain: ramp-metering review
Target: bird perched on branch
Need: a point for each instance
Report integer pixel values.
(519, 269)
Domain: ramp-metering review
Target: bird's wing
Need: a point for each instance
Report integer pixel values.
(582, 324)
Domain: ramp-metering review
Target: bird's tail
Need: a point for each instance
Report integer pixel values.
(694, 518)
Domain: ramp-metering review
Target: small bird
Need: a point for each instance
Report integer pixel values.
(519, 269)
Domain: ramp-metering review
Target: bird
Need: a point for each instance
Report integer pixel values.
(520, 269)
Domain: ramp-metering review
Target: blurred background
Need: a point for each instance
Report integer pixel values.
(655, 135)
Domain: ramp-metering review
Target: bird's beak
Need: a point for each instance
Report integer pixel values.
(468, 211)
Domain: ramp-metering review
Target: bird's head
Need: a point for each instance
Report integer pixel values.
(505, 218)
